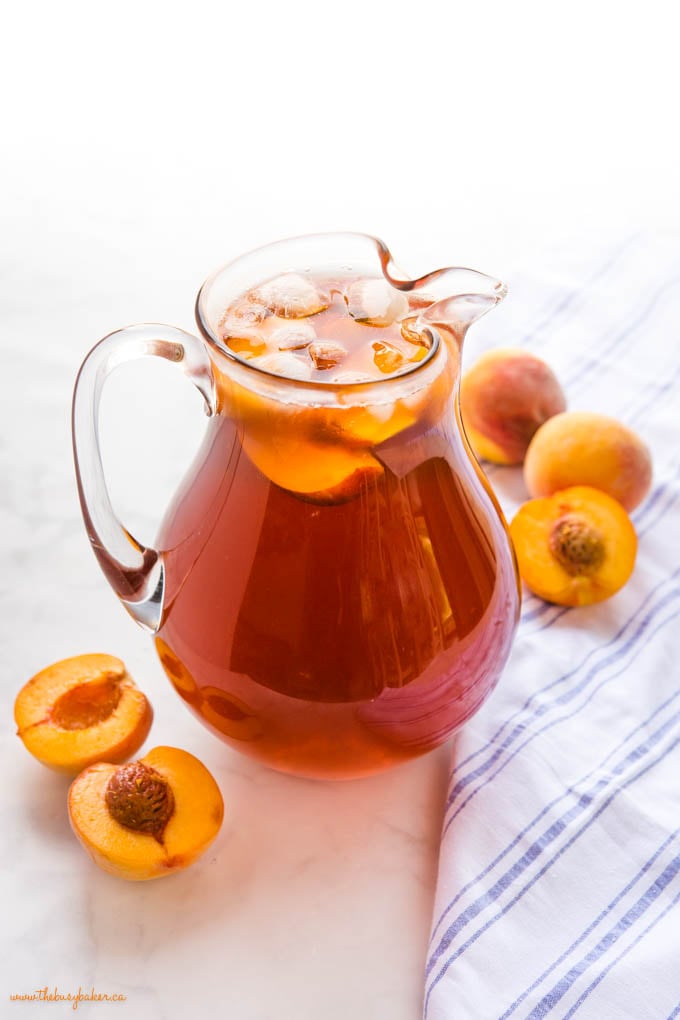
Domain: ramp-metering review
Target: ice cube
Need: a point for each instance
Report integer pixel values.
(375, 303)
(285, 364)
(245, 313)
(239, 327)
(326, 353)
(386, 357)
(294, 337)
(291, 296)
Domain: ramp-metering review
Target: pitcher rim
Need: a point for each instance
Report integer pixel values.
(406, 285)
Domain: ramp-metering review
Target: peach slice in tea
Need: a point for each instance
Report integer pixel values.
(412, 334)
(324, 330)
(327, 354)
(246, 344)
(303, 466)
(387, 358)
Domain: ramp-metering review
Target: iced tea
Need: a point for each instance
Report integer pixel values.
(336, 598)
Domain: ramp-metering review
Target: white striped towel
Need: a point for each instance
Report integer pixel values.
(559, 875)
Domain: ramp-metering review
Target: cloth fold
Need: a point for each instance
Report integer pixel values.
(559, 873)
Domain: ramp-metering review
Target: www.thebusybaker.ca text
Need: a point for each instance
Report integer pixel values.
(75, 998)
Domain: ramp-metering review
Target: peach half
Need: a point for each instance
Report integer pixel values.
(80, 710)
(148, 818)
(575, 547)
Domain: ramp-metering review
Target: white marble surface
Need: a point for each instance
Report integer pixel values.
(316, 898)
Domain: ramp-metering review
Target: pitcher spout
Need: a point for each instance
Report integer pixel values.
(456, 296)
(460, 310)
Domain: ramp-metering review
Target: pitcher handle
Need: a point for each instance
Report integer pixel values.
(134, 571)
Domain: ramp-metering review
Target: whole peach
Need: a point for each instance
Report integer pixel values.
(584, 448)
(504, 398)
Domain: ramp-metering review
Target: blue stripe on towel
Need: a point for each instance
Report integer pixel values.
(630, 645)
(622, 315)
(667, 877)
(592, 926)
(539, 845)
(549, 1001)
(567, 792)
(465, 780)
(501, 913)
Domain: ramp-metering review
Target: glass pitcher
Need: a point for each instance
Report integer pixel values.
(333, 590)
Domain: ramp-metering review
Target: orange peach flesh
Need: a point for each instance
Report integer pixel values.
(607, 541)
(80, 710)
(315, 471)
(195, 821)
(325, 455)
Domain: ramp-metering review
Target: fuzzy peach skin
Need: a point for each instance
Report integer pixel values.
(505, 397)
(80, 710)
(138, 856)
(584, 448)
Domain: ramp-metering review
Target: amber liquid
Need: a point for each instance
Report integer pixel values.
(336, 639)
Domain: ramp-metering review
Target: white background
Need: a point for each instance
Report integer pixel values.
(481, 129)
(147, 143)
(143, 144)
